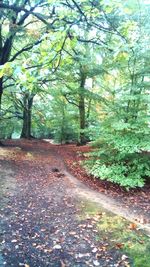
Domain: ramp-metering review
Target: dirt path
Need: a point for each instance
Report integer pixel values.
(41, 224)
(108, 203)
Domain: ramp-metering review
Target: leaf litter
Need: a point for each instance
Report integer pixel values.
(41, 225)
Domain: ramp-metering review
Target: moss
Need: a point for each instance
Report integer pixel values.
(120, 234)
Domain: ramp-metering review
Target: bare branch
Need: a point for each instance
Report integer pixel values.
(70, 101)
(94, 41)
(24, 49)
(9, 85)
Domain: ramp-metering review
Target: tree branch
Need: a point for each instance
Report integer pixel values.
(69, 101)
(24, 49)
(93, 41)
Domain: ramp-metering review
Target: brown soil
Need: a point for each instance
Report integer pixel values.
(40, 221)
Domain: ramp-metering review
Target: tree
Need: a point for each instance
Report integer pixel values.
(79, 66)
(18, 23)
(20, 19)
(124, 134)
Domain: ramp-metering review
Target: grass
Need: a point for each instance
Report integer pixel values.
(120, 234)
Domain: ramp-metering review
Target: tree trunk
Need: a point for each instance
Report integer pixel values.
(82, 139)
(62, 138)
(1, 93)
(27, 114)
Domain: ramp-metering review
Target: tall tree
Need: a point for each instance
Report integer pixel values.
(18, 21)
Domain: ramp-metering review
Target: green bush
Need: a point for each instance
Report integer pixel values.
(120, 155)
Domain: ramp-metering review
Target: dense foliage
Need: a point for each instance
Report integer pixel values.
(78, 71)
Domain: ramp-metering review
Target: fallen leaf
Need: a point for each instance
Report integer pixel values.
(124, 257)
(48, 250)
(94, 250)
(62, 263)
(132, 226)
(96, 263)
(119, 245)
(72, 233)
(57, 247)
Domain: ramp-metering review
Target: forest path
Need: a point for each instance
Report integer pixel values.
(41, 213)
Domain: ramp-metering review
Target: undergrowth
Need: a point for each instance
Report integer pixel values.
(121, 235)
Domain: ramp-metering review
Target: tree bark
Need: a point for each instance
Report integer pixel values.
(82, 139)
(62, 127)
(1, 92)
(27, 117)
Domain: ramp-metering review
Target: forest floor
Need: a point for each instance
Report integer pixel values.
(49, 217)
